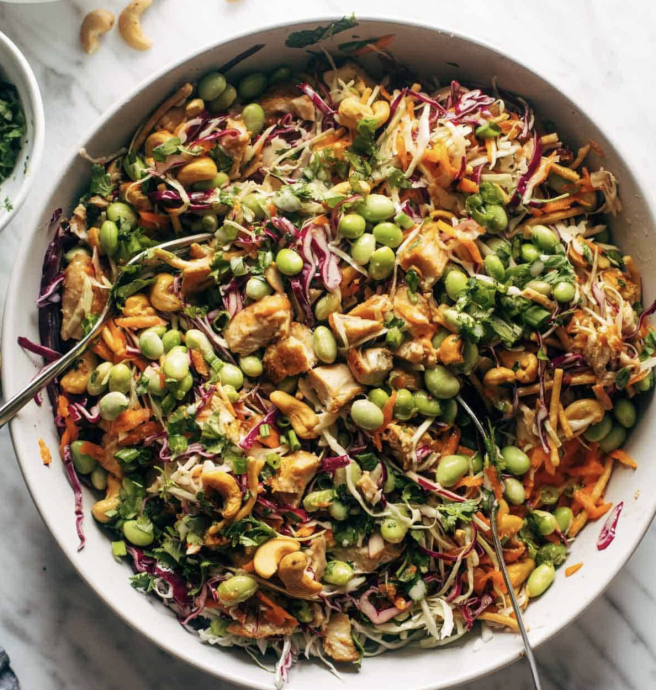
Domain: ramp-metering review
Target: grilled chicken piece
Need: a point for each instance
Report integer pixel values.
(284, 99)
(369, 488)
(399, 438)
(418, 351)
(80, 297)
(236, 146)
(361, 559)
(352, 330)
(335, 385)
(416, 312)
(294, 474)
(317, 556)
(337, 641)
(370, 367)
(374, 308)
(405, 378)
(291, 355)
(426, 255)
(258, 324)
(256, 627)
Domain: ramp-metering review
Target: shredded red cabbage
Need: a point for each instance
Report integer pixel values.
(430, 486)
(427, 99)
(77, 492)
(373, 614)
(51, 293)
(607, 533)
(648, 312)
(532, 167)
(319, 103)
(335, 463)
(397, 101)
(328, 263)
(41, 350)
(251, 437)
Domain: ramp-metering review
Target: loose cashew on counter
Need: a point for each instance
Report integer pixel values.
(110, 502)
(295, 578)
(226, 486)
(129, 24)
(94, 25)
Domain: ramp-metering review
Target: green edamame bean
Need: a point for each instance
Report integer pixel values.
(195, 339)
(529, 252)
(404, 407)
(496, 218)
(501, 248)
(517, 462)
(327, 305)
(217, 181)
(429, 407)
(546, 522)
(363, 248)
(253, 203)
(253, 116)
(180, 388)
(237, 589)
(388, 234)
(625, 413)
(393, 531)
(76, 251)
(614, 439)
(138, 533)
(231, 376)
(302, 611)
(251, 366)
(176, 365)
(211, 86)
(171, 339)
(281, 74)
(540, 286)
(404, 220)
(230, 393)
(224, 101)
(288, 385)
(324, 344)
(540, 580)
(338, 573)
(316, 500)
(286, 201)
(338, 511)
(252, 86)
(555, 554)
(514, 491)
(441, 383)
(381, 263)
(596, 432)
(98, 478)
(352, 225)
(564, 517)
(439, 337)
(564, 292)
(109, 237)
(546, 239)
(645, 384)
(99, 379)
(476, 462)
(449, 411)
(375, 208)
(84, 464)
(120, 378)
(209, 222)
(257, 288)
(394, 338)
(494, 267)
(151, 345)
(455, 283)
(366, 415)
(135, 167)
(121, 213)
(289, 262)
(378, 397)
(156, 386)
(451, 470)
(549, 495)
(112, 404)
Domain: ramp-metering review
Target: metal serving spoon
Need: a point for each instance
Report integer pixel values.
(499, 552)
(46, 375)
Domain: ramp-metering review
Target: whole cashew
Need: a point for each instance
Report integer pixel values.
(302, 417)
(345, 188)
(111, 500)
(198, 170)
(519, 572)
(138, 305)
(525, 365)
(75, 380)
(582, 413)
(226, 485)
(129, 24)
(269, 555)
(94, 25)
(293, 575)
(133, 194)
(156, 139)
(497, 376)
(160, 296)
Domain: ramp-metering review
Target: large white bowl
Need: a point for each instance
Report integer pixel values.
(430, 52)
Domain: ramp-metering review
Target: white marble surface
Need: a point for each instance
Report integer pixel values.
(57, 632)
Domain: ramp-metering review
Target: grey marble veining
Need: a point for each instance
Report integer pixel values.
(57, 632)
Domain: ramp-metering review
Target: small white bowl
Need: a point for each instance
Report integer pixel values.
(14, 68)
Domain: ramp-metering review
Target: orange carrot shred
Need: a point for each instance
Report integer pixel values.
(44, 451)
(570, 570)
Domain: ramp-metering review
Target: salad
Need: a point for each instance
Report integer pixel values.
(12, 131)
(281, 425)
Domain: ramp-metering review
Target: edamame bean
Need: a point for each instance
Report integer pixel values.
(230, 393)
(393, 531)
(286, 201)
(338, 573)
(119, 212)
(257, 288)
(539, 286)
(394, 338)
(352, 225)
(451, 470)
(529, 252)
(549, 495)
(496, 218)
(564, 517)
(546, 239)
(84, 464)
(476, 462)
(171, 339)
(253, 116)
(404, 220)
(546, 522)
(645, 384)
(236, 589)
(156, 384)
(151, 345)
(338, 511)
(120, 378)
(252, 86)
(302, 611)
(540, 580)
(517, 462)
(251, 366)
(494, 267)
(363, 248)
(441, 383)
(378, 397)
(564, 292)
(455, 283)
(449, 411)
(217, 181)
(381, 263)
(209, 222)
(404, 407)
(316, 500)
(429, 407)
(514, 491)
(388, 234)
(176, 365)
(469, 357)
(289, 262)
(112, 404)
(195, 339)
(439, 337)
(625, 413)
(137, 533)
(596, 432)
(281, 74)
(99, 379)
(109, 237)
(614, 439)
(324, 344)
(501, 248)
(211, 86)
(288, 385)
(375, 208)
(326, 306)
(366, 415)
(224, 101)
(254, 203)
(556, 554)
(75, 251)
(98, 478)
(231, 376)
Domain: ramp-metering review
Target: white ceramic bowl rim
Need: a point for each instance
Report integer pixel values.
(23, 442)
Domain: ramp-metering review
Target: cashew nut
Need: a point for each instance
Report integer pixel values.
(134, 195)
(524, 364)
(200, 169)
(582, 413)
(75, 380)
(497, 376)
(345, 188)
(94, 25)
(302, 417)
(519, 572)
(226, 485)
(110, 502)
(351, 111)
(293, 575)
(138, 305)
(381, 111)
(254, 468)
(160, 295)
(269, 555)
(129, 24)
(509, 525)
(172, 119)
(450, 351)
(156, 139)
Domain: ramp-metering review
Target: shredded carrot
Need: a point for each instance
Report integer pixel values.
(472, 248)
(468, 186)
(451, 444)
(305, 531)
(491, 474)
(320, 220)
(388, 410)
(594, 512)
(44, 451)
(140, 321)
(115, 339)
(130, 419)
(500, 620)
(570, 570)
(596, 148)
(446, 228)
(275, 614)
(463, 450)
(92, 449)
(624, 458)
(401, 152)
(153, 220)
(272, 440)
(249, 566)
(469, 481)
(141, 432)
(200, 365)
(330, 140)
